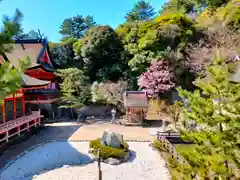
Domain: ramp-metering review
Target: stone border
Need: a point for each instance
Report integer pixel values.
(51, 141)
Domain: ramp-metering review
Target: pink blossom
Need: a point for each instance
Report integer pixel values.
(158, 79)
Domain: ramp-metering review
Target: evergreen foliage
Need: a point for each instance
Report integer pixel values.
(142, 11)
(76, 27)
(74, 88)
(101, 51)
(216, 113)
(10, 77)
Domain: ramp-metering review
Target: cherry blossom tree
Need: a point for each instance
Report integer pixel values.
(159, 78)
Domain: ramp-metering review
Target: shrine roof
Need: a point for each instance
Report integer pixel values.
(36, 49)
(31, 81)
(135, 99)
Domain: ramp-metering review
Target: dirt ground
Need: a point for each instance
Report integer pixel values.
(73, 131)
(94, 131)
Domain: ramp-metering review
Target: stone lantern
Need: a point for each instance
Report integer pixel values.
(113, 116)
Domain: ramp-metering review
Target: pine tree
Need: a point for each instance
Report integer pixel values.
(74, 89)
(142, 11)
(9, 76)
(215, 108)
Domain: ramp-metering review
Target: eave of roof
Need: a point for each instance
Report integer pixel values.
(28, 41)
(134, 92)
(134, 101)
(49, 67)
(30, 81)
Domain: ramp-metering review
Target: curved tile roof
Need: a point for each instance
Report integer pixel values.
(30, 81)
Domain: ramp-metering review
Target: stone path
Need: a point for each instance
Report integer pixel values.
(145, 164)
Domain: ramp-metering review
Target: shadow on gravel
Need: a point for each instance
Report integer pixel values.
(44, 158)
(132, 156)
(27, 140)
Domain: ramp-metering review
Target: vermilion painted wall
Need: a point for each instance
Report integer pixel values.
(18, 95)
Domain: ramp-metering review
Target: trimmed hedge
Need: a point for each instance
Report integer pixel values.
(107, 152)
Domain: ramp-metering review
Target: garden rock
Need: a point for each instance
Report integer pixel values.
(112, 161)
(111, 139)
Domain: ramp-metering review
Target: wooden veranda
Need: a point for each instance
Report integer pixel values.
(17, 126)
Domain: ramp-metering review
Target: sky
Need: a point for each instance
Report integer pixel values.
(48, 15)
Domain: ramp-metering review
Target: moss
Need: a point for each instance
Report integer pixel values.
(106, 151)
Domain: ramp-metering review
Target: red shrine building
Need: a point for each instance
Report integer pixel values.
(23, 110)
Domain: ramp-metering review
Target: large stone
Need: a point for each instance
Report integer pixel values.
(111, 139)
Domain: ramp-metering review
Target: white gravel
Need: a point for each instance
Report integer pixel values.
(47, 163)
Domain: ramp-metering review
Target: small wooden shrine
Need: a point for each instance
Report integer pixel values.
(136, 104)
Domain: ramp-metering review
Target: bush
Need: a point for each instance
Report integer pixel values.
(106, 151)
(158, 145)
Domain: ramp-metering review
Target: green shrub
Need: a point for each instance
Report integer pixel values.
(106, 151)
(158, 145)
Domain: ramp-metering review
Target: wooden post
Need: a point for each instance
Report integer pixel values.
(99, 166)
(23, 102)
(7, 133)
(35, 122)
(3, 111)
(14, 107)
(18, 129)
(27, 125)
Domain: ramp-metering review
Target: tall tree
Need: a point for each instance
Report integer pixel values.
(217, 115)
(63, 54)
(76, 26)
(73, 87)
(142, 11)
(101, 50)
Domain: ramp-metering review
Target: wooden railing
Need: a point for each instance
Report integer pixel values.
(26, 121)
(161, 136)
(170, 134)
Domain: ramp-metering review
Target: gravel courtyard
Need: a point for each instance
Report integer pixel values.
(71, 161)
